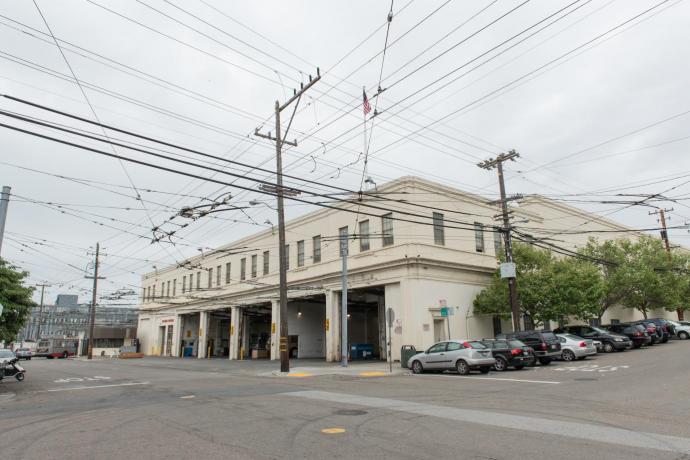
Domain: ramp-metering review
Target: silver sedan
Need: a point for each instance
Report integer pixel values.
(574, 347)
(459, 355)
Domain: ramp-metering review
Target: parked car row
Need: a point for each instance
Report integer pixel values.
(526, 348)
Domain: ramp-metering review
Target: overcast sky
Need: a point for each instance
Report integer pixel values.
(607, 118)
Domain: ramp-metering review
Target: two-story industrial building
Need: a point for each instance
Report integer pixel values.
(412, 259)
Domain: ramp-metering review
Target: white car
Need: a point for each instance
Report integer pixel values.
(681, 329)
(6, 355)
(574, 347)
(459, 355)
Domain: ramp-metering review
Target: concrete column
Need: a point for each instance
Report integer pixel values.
(275, 329)
(234, 332)
(332, 326)
(177, 336)
(204, 317)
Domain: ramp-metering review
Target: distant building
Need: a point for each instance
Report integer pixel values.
(68, 318)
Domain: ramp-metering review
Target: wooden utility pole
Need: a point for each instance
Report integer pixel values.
(664, 236)
(512, 282)
(280, 192)
(92, 319)
(40, 312)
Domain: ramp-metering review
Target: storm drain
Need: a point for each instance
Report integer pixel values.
(350, 412)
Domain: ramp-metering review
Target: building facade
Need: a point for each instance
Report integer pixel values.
(224, 303)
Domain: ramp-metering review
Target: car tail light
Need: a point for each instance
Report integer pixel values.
(583, 345)
(515, 352)
(466, 345)
(664, 328)
(543, 346)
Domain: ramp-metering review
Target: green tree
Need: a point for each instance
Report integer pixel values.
(613, 254)
(16, 300)
(548, 288)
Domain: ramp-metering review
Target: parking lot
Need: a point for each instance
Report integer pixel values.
(631, 404)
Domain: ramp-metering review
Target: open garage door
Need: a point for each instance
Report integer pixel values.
(306, 327)
(366, 323)
(255, 332)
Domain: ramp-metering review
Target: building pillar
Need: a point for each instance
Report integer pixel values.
(275, 329)
(204, 317)
(234, 333)
(177, 337)
(332, 326)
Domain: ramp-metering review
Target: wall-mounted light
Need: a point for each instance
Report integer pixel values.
(349, 316)
(299, 312)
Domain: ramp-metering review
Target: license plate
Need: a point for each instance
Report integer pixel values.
(553, 347)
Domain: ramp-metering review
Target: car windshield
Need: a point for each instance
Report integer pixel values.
(23, 349)
(572, 337)
(6, 354)
(600, 330)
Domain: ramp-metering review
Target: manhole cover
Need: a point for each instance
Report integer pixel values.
(350, 412)
(586, 379)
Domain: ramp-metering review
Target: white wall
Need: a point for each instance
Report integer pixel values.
(309, 327)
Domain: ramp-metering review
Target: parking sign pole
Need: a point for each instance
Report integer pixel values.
(343, 304)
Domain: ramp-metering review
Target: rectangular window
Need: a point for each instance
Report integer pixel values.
(287, 257)
(479, 237)
(198, 280)
(174, 287)
(243, 269)
(439, 230)
(316, 249)
(227, 273)
(148, 295)
(342, 241)
(210, 277)
(218, 270)
(266, 261)
(154, 292)
(167, 291)
(163, 289)
(300, 253)
(387, 228)
(364, 236)
(498, 243)
(184, 284)
(254, 264)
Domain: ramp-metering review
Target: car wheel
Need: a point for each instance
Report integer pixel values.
(637, 345)
(568, 355)
(519, 368)
(65, 355)
(683, 335)
(501, 364)
(544, 361)
(608, 347)
(417, 367)
(19, 376)
(484, 369)
(462, 367)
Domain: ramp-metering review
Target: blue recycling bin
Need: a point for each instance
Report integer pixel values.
(361, 351)
(187, 352)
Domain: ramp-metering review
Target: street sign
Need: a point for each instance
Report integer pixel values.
(390, 317)
(447, 311)
(508, 270)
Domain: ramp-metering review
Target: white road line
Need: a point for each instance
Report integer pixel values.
(488, 378)
(541, 426)
(93, 387)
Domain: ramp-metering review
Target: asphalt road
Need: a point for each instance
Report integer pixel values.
(628, 405)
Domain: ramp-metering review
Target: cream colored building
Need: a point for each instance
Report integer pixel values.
(224, 303)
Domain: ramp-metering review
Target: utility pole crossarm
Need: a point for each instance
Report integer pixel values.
(271, 138)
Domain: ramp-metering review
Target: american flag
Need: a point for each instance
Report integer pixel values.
(365, 104)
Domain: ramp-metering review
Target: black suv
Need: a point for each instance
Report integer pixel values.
(610, 341)
(635, 332)
(544, 343)
(665, 327)
(510, 353)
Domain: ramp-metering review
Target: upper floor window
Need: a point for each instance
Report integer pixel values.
(243, 269)
(387, 228)
(174, 284)
(439, 229)
(316, 249)
(364, 236)
(210, 277)
(227, 273)
(218, 270)
(342, 243)
(198, 280)
(498, 243)
(287, 257)
(184, 284)
(266, 261)
(300, 253)
(479, 237)
(254, 265)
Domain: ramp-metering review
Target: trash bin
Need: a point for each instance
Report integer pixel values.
(361, 351)
(406, 352)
